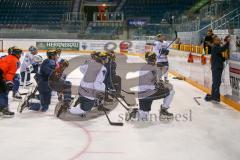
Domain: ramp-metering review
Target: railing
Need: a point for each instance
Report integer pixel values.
(222, 20)
(108, 16)
(73, 17)
(228, 21)
(121, 4)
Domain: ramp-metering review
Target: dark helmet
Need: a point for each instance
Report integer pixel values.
(16, 51)
(33, 49)
(112, 55)
(10, 49)
(51, 53)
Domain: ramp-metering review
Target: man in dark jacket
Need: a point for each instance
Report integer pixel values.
(217, 66)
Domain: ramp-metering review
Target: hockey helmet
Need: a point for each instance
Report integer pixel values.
(16, 52)
(33, 49)
(10, 50)
(59, 51)
(37, 59)
(112, 55)
(93, 54)
(101, 56)
(158, 35)
(51, 53)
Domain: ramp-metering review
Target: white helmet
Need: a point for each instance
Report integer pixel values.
(37, 59)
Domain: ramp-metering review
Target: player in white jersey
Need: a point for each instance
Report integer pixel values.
(151, 89)
(160, 49)
(27, 66)
(92, 85)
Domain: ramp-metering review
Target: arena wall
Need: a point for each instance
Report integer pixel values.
(196, 73)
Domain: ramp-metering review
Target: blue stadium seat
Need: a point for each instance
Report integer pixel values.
(38, 12)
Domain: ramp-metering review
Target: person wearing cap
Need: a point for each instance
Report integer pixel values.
(217, 66)
(208, 40)
(8, 68)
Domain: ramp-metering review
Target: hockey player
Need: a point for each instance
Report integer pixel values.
(49, 78)
(152, 89)
(110, 74)
(8, 68)
(91, 86)
(46, 69)
(16, 80)
(27, 66)
(160, 49)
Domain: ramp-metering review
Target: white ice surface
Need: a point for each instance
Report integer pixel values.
(212, 132)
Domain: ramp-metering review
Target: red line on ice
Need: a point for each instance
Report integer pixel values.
(89, 141)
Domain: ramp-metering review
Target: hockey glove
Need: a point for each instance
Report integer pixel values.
(164, 51)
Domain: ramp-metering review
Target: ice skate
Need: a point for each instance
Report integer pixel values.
(5, 112)
(165, 115)
(61, 107)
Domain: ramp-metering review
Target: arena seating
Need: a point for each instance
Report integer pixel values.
(155, 9)
(32, 12)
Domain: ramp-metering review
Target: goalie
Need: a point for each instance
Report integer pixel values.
(152, 89)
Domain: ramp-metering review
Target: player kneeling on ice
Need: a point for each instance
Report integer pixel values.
(28, 66)
(49, 78)
(152, 89)
(48, 75)
(112, 80)
(8, 67)
(92, 87)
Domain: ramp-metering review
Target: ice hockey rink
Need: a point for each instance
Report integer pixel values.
(206, 131)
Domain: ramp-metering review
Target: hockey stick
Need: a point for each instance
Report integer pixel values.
(176, 36)
(114, 96)
(132, 111)
(26, 100)
(112, 123)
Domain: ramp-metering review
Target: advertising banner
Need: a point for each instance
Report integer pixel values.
(71, 46)
(234, 71)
